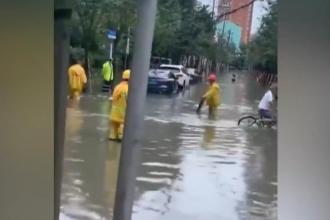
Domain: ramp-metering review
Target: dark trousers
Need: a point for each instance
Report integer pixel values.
(265, 114)
(107, 86)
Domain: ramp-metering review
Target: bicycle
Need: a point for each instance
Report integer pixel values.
(250, 120)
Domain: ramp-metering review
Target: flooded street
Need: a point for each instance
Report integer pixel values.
(192, 167)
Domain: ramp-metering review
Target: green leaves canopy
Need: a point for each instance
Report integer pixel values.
(183, 28)
(263, 48)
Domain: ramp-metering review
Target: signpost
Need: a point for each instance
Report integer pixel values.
(112, 36)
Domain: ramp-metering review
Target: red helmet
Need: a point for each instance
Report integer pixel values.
(212, 77)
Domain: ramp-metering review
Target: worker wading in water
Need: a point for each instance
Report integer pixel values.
(211, 97)
(118, 108)
(107, 74)
(77, 80)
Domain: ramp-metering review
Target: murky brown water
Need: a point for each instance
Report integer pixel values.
(192, 167)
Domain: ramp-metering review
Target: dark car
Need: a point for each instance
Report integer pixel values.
(162, 81)
(194, 77)
(155, 62)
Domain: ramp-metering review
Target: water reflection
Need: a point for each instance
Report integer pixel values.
(220, 165)
(90, 164)
(111, 173)
(192, 167)
(209, 134)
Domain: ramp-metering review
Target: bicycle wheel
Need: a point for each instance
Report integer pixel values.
(266, 123)
(247, 121)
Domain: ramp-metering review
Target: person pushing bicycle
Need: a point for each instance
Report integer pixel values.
(267, 103)
(267, 111)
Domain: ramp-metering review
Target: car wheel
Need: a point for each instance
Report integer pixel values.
(173, 88)
(176, 88)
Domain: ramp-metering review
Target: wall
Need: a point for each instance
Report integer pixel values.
(235, 30)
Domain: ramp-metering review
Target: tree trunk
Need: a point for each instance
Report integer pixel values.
(87, 68)
(86, 65)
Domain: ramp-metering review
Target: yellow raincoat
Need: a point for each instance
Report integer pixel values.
(77, 79)
(212, 96)
(118, 110)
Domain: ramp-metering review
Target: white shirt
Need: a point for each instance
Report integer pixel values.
(266, 101)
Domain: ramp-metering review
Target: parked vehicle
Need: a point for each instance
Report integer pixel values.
(194, 77)
(162, 81)
(180, 73)
(155, 62)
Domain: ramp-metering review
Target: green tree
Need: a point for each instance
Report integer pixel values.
(184, 29)
(239, 60)
(263, 48)
(87, 25)
(91, 19)
(168, 23)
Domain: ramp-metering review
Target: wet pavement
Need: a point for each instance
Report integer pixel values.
(192, 167)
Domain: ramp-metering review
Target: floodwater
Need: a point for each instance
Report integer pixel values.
(192, 167)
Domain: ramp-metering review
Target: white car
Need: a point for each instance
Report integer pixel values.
(180, 73)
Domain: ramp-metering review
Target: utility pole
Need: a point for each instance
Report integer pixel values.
(213, 7)
(127, 47)
(229, 38)
(62, 15)
(133, 133)
(224, 8)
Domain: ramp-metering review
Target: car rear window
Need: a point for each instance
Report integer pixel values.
(159, 73)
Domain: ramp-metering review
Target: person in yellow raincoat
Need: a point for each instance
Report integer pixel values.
(118, 108)
(212, 96)
(77, 80)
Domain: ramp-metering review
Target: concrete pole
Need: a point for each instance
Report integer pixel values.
(62, 14)
(127, 47)
(133, 133)
(213, 9)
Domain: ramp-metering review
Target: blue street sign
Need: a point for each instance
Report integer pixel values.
(111, 34)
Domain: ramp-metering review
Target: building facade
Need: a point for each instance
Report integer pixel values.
(241, 17)
(230, 31)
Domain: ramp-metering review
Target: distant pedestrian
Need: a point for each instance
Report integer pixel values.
(77, 80)
(212, 96)
(107, 73)
(233, 79)
(118, 108)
